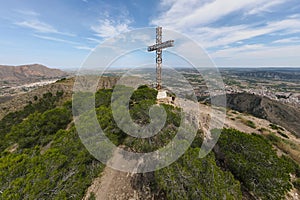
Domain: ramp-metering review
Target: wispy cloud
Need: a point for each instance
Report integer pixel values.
(107, 28)
(41, 27)
(258, 55)
(113, 21)
(267, 7)
(194, 18)
(94, 40)
(84, 48)
(205, 22)
(37, 26)
(220, 36)
(55, 39)
(30, 19)
(186, 13)
(287, 40)
(28, 12)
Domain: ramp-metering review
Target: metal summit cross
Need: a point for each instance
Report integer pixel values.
(158, 48)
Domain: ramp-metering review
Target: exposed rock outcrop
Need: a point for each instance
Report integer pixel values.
(265, 108)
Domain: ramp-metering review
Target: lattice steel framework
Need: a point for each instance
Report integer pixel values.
(158, 48)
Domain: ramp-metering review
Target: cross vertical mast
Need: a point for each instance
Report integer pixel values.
(158, 57)
(158, 48)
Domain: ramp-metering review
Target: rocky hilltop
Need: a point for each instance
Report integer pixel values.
(39, 137)
(28, 73)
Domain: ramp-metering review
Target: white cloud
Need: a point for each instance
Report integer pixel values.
(31, 21)
(258, 55)
(84, 48)
(94, 40)
(56, 39)
(214, 37)
(229, 51)
(289, 25)
(143, 38)
(265, 8)
(37, 26)
(107, 28)
(195, 18)
(41, 27)
(28, 12)
(192, 17)
(186, 13)
(287, 40)
(294, 16)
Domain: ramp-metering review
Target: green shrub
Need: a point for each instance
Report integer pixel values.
(103, 97)
(262, 130)
(296, 183)
(249, 123)
(63, 171)
(253, 161)
(37, 128)
(275, 127)
(92, 196)
(193, 178)
(273, 138)
(47, 102)
(283, 134)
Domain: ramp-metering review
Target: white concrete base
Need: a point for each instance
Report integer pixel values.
(162, 94)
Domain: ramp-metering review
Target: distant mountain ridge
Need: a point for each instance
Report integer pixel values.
(28, 73)
(291, 74)
(272, 75)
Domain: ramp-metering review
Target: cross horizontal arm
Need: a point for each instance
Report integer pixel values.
(169, 43)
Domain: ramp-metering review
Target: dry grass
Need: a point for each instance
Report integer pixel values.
(288, 147)
(293, 153)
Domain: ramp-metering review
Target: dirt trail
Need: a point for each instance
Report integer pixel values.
(112, 185)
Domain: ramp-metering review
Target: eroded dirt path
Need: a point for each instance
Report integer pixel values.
(112, 185)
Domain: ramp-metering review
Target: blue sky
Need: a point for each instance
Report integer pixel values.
(61, 33)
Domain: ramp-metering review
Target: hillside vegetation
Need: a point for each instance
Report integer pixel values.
(42, 159)
(42, 156)
(254, 162)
